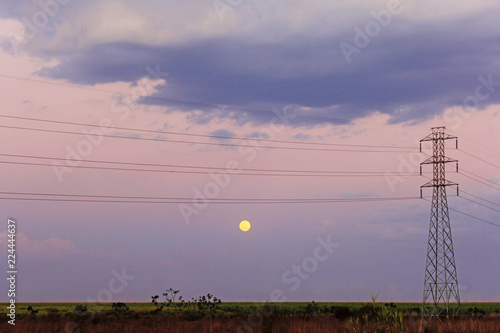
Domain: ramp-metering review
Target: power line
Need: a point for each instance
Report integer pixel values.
(490, 152)
(477, 197)
(486, 179)
(477, 218)
(373, 173)
(480, 159)
(207, 136)
(471, 216)
(213, 199)
(145, 200)
(478, 143)
(201, 143)
(480, 204)
(204, 172)
(496, 188)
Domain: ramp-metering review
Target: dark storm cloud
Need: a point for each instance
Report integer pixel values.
(410, 76)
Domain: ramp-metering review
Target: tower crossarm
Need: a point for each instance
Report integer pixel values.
(438, 159)
(438, 134)
(432, 136)
(437, 182)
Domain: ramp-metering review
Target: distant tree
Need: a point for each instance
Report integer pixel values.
(32, 311)
(81, 309)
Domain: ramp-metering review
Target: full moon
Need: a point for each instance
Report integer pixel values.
(245, 225)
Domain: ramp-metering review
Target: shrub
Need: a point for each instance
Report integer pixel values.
(81, 309)
(159, 307)
(203, 305)
(119, 308)
(312, 308)
(32, 311)
(194, 309)
(476, 312)
(342, 313)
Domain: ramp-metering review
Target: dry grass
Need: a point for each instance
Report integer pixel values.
(274, 324)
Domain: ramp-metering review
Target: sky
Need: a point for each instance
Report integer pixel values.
(226, 93)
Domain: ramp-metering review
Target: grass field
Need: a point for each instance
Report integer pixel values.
(246, 317)
(240, 307)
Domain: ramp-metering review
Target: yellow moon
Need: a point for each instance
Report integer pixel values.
(245, 225)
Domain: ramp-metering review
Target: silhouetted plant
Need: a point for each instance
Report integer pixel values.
(171, 300)
(159, 307)
(32, 311)
(194, 309)
(202, 306)
(81, 309)
(171, 295)
(119, 308)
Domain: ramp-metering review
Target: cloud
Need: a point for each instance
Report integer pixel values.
(260, 135)
(407, 77)
(81, 24)
(410, 71)
(50, 248)
(222, 134)
(302, 136)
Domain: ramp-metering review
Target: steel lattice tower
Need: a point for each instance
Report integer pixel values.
(441, 283)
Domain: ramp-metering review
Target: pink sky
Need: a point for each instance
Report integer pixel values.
(68, 251)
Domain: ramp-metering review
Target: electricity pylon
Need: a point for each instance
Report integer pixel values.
(441, 283)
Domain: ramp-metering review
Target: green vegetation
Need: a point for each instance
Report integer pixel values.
(209, 314)
(286, 308)
(194, 309)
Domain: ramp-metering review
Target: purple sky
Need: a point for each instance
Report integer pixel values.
(370, 73)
